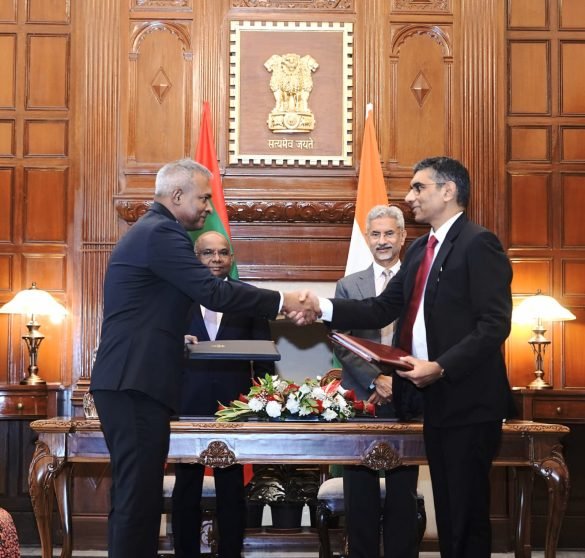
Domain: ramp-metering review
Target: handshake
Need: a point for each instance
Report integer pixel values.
(302, 307)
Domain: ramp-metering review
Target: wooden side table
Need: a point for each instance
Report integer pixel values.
(561, 407)
(19, 406)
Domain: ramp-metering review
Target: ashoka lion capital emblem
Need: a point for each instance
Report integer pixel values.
(291, 85)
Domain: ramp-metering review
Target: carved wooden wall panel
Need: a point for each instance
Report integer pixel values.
(571, 15)
(530, 143)
(545, 176)
(8, 70)
(6, 204)
(99, 108)
(530, 195)
(422, 81)
(48, 11)
(572, 81)
(35, 175)
(159, 95)
(481, 107)
(528, 14)
(573, 201)
(573, 348)
(46, 138)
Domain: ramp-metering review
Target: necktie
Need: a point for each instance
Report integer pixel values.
(210, 319)
(417, 292)
(387, 332)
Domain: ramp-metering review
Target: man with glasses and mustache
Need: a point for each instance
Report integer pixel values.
(204, 383)
(452, 298)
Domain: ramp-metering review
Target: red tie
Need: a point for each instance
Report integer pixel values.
(417, 291)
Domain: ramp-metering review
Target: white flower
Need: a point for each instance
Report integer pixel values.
(292, 404)
(318, 393)
(256, 404)
(273, 409)
(329, 414)
(327, 403)
(340, 401)
(304, 389)
(304, 411)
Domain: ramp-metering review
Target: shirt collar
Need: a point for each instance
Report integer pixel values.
(441, 233)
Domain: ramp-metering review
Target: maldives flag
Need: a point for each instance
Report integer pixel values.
(206, 155)
(371, 191)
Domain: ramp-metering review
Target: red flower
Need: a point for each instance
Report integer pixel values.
(358, 406)
(370, 409)
(221, 407)
(349, 395)
(291, 388)
(243, 398)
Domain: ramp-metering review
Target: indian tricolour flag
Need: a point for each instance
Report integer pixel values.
(206, 155)
(371, 191)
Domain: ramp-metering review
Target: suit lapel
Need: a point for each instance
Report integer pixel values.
(366, 284)
(437, 267)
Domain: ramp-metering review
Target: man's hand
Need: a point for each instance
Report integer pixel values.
(191, 340)
(302, 307)
(376, 399)
(424, 373)
(383, 385)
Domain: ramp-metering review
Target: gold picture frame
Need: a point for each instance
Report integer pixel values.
(291, 94)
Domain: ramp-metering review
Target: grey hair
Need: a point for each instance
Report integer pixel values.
(178, 174)
(379, 211)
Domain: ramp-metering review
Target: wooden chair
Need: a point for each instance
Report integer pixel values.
(330, 499)
(208, 535)
(330, 505)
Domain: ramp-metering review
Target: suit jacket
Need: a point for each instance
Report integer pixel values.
(152, 278)
(205, 382)
(357, 373)
(467, 311)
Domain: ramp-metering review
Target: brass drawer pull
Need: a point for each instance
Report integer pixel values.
(20, 406)
(559, 410)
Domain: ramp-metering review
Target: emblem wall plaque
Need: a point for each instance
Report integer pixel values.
(291, 93)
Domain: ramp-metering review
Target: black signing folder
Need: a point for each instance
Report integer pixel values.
(249, 349)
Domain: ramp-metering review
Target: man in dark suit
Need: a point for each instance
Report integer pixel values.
(455, 336)
(385, 236)
(204, 383)
(152, 277)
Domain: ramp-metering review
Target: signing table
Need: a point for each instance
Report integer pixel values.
(528, 447)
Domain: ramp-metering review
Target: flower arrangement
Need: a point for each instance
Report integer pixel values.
(276, 398)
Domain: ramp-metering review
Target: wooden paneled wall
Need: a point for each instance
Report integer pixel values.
(37, 193)
(545, 177)
(96, 95)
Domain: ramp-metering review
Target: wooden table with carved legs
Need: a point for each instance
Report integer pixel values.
(528, 447)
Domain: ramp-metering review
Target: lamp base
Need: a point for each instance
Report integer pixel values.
(538, 383)
(32, 380)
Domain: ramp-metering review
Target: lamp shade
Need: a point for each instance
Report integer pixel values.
(34, 301)
(540, 307)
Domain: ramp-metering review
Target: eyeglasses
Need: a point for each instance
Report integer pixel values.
(224, 253)
(418, 187)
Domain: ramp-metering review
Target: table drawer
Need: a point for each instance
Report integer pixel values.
(17, 405)
(558, 409)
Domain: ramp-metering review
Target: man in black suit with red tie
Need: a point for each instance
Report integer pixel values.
(152, 278)
(452, 298)
(204, 383)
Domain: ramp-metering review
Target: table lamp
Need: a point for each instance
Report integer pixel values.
(535, 310)
(34, 302)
